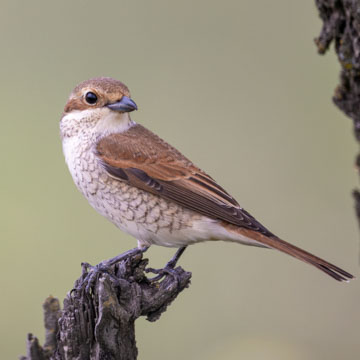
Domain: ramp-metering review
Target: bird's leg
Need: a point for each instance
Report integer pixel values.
(91, 273)
(169, 267)
(172, 263)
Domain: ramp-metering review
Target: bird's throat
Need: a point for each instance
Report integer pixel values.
(113, 122)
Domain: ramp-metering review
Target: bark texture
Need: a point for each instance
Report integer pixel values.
(100, 323)
(341, 25)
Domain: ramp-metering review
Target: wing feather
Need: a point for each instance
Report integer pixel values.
(144, 160)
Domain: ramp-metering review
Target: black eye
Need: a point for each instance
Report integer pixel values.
(91, 98)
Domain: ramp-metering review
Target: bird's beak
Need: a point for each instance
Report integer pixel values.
(124, 105)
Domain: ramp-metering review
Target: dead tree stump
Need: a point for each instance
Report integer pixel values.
(100, 324)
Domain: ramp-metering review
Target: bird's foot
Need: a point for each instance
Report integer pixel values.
(161, 273)
(169, 268)
(91, 274)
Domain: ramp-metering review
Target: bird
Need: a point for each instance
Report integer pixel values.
(146, 187)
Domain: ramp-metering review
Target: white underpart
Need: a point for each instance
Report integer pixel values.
(203, 229)
(113, 122)
(97, 122)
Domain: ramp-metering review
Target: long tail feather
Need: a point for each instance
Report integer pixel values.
(328, 268)
(281, 245)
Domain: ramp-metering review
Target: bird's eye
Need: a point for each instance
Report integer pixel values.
(91, 98)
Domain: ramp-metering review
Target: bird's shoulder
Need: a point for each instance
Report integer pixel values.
(139, 146)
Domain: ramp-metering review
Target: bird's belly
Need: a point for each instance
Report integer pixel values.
(154, 220)
(147, 217)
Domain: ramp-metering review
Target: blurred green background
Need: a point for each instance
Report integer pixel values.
(237, 80)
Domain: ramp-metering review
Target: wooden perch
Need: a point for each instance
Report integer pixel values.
(341, 25)
(100, 324)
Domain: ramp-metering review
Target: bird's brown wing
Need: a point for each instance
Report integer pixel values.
(145, 161)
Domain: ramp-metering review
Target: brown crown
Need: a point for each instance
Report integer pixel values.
(107, 89)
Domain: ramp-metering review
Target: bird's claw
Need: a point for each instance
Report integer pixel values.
(90, 275)
(169, 268)
(161, 273)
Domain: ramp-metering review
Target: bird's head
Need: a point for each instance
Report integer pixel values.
(100, 106)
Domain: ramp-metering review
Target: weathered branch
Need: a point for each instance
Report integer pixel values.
(101, 324)
(341, 25)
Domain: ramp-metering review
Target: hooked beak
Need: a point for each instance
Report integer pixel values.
(124, 105)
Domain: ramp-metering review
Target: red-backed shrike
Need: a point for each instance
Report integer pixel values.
(146, 187)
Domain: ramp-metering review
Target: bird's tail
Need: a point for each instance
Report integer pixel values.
(328, 268)
(276, 243)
